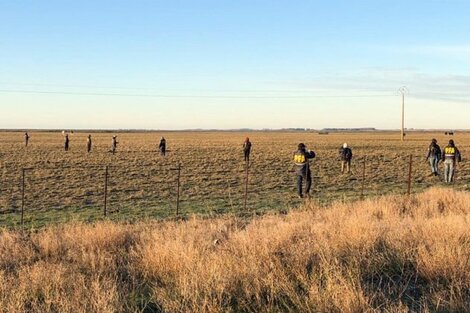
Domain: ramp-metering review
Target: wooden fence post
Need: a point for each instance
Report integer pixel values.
(363, 178)
(410, 174)
(106, 173)
(247, 175)
(23, 187)
(178, 186)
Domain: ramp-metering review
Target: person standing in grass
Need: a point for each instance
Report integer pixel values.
(346, 156)
(114, 144)
(26, 139)
(247, 149)
(302, 159)
(451, 158)
(162, 146)
(89, 144)
(434, 156)
(66, 142)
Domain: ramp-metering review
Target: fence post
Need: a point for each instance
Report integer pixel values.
(363, 178)
(410, 174)
(178, 186)
(247, 175)
(106, 173)
(23, 187)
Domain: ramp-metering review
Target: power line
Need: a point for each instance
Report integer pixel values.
(187, 96)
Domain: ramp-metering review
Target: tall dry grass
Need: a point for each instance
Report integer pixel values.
(391, 254)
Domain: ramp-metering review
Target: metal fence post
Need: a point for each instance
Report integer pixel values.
(247, 175)
(410, 174)
(178, 186)
(106, 173)
(23, 187)
(363, 178)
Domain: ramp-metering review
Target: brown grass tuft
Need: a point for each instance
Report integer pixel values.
(390, 254)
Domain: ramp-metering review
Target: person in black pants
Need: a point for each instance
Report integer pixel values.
(162, 146)
(66, 142)
(302, 159)
(89, 143)
(247, 149)
(26, 139)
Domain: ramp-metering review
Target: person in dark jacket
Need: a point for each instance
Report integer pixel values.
(346, 156)
(451, 157)
(66, 142)
(302, 159)
(114, 144)
(434, 156)
(162, 146)
(26, 139)
(247, 149)
(89, 144)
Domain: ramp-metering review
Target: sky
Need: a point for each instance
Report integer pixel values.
(233, 64)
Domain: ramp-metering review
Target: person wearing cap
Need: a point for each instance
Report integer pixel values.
(434, 156)
(345, 154)
(450, 157)
(66, 142)
(302, 158)
(89, 143)
(114, 144)
(162, 146)
(247, 149)
(26, 139)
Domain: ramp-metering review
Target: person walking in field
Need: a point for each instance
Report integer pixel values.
(247, 149)
(451, 158)
(302, 159)
(89, 144)
(66, 142)
(114, 145)
(434, 156)
(346, 157)
(162, 146)
(26, 139)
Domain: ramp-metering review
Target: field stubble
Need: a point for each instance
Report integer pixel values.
(69, 185)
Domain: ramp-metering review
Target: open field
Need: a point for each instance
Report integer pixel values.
(389, 254)
(61, 186)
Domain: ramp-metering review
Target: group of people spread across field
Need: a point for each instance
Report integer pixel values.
(450, 156)
(89, 143)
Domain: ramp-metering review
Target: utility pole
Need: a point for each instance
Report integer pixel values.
(403, 90)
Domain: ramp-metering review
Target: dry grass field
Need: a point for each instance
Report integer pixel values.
(63, 186)
(385, 254)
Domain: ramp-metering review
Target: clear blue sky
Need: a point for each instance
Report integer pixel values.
(233, 64)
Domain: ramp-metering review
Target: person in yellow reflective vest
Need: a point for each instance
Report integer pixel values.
(302, 159)
(451, 157)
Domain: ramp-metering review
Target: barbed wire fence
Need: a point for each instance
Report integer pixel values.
(35, 196)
